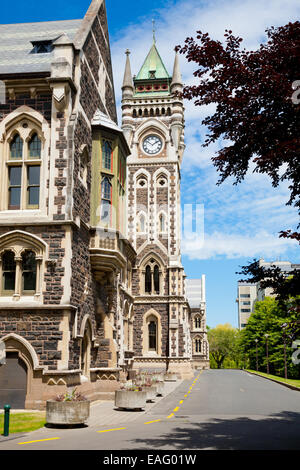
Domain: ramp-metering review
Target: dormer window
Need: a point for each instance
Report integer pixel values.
(42, 47)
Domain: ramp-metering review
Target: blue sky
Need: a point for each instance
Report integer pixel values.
(240, 222)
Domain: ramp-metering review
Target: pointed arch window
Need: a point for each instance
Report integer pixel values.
(23, 172)
(8, 272)
(156, 279)
(152, 278)
(107, 160)
(152, 334)
(142, 223)
(35, 147)
(148, 280)
(197, 322)
(162, 223)
(16, 148)
(197, 345)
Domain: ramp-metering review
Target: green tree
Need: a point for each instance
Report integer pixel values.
(222, 345)
(268, 318)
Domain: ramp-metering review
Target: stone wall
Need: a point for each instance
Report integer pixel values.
(39, 327)
(41, 102)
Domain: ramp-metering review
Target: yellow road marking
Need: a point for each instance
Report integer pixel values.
(115, 429)
(170, 416)
(39, 440)
(189, 391)
(181, 401)
(155, 421)
(176, 409)
(185, 396)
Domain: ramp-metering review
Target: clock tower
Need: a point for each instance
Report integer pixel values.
(153, 123)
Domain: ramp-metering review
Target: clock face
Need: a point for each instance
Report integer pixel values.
(152, 144)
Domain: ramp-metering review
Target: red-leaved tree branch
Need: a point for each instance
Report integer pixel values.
(255, 110)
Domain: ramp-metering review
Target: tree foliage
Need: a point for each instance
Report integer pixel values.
(268, 318)
(256, 113)
(222, 343)
(285, 287)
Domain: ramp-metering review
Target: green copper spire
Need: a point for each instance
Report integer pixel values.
(153, 67)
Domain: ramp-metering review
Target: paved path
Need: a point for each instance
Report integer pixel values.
(218, 409)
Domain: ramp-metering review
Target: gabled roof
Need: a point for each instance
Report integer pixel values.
(17, 44)
(153, 63)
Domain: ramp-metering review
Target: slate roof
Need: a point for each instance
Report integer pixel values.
(16, 45)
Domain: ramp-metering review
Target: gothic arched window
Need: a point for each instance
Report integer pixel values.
(152, 332)
(148, 280)
(35, 147)
(162, 223)
(8, 272)
(197, 345)
(107, 162)
(156, 279)
(197, 322)
(24, 193)
(142, 223)
(152, 277)
(106, 199)
(16, 148)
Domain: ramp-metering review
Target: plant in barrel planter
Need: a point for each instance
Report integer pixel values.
(68, 409)
(130, 397)
(146, 383)
(170, 377)
(159, 383)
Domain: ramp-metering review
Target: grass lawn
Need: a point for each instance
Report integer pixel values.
(295, 383)
(24, 422)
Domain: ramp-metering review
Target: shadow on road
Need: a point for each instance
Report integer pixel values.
(280, 431)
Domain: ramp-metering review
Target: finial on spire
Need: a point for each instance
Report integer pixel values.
(153, 30)
(127, 52)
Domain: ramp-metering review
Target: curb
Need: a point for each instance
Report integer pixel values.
(292, 387)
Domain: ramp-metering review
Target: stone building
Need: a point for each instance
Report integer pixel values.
(153, 123)
(91, 279)
(196, 296)
(65, 263)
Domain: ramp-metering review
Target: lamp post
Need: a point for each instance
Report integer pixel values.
(267, 353)
(256, 341)
(283, 326)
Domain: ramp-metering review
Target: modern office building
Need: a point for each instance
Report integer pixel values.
(196, 296)
(249, 293)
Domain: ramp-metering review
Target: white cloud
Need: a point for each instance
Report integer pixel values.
(239, 220)
(233, 245)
